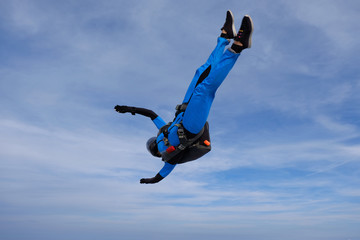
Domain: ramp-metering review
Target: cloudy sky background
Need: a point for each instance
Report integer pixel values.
(284, 125)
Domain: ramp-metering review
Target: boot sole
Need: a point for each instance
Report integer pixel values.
(252, 30)
(233, 26)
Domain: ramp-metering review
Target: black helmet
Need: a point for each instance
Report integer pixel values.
(152, 147)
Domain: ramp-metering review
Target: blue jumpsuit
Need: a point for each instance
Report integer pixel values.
(199, 97)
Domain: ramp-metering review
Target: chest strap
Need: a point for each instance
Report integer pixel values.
(165, 131)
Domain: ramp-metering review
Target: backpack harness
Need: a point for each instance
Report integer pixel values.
(185, 142)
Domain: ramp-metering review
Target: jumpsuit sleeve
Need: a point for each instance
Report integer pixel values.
(159, 122)
(166, 170)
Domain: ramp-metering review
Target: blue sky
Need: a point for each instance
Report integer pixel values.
(284, 126)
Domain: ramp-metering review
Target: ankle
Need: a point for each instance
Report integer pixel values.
(238, 43)
(223, 34)
(237, 47)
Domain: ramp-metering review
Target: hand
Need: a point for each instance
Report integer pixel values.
(121, 109)
(146, 180)
(155, 179)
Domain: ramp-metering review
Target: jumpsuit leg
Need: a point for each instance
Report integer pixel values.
(198, 109)
(213, 59)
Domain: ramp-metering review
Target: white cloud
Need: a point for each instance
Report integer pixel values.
(346, 129)
(332, 17)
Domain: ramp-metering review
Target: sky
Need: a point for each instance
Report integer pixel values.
(284, 125)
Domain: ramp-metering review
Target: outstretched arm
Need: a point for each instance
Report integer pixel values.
(133, 110)
(161, 175)
(142, 111)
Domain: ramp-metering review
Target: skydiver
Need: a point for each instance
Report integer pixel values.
(187, 137)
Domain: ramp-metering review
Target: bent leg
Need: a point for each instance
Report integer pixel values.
(214, 57)
(198, 109)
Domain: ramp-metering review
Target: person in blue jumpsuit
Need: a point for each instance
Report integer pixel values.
(187, 137)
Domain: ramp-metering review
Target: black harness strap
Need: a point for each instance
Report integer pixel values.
(164, 130)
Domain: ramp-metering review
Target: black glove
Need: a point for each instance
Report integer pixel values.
(155, 179)
(142, 111)
(124, 109)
